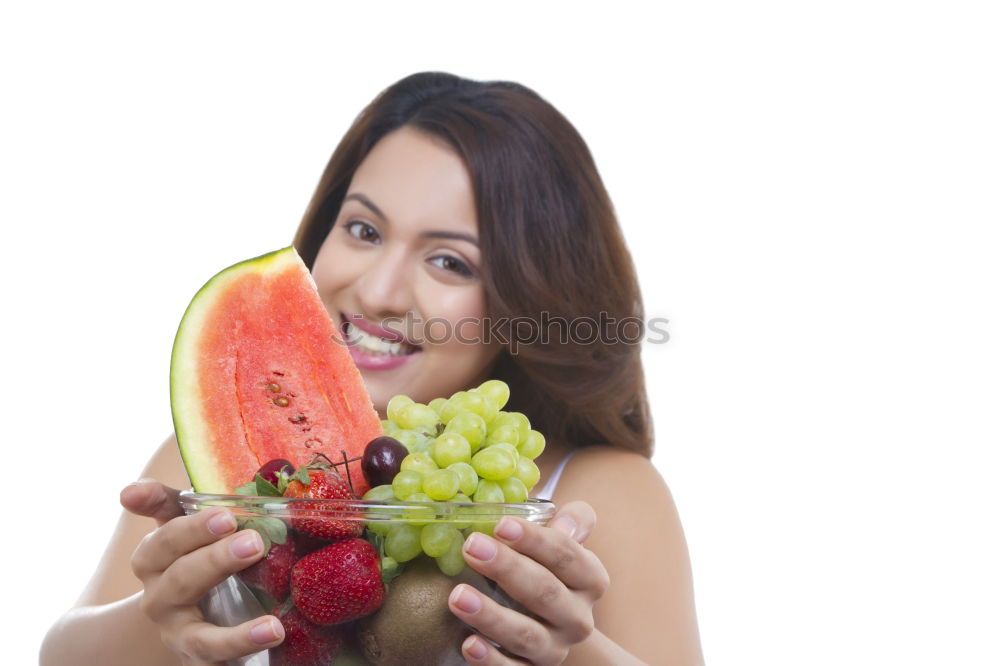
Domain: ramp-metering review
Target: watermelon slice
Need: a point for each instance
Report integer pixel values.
(258, 372)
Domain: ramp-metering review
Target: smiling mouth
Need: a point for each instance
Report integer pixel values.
(373, 344)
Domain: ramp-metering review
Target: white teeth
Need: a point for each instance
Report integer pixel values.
(374, 344)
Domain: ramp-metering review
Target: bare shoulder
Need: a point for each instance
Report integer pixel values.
(610, 476)
(167, 466)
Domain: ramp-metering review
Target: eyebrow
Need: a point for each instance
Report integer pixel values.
(453, 235)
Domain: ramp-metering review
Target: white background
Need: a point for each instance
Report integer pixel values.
(810, 192)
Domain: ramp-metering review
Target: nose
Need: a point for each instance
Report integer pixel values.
(385, 289)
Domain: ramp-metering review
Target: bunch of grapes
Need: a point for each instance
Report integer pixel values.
(462, 449)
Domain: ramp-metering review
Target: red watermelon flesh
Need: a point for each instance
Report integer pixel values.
(258, 372)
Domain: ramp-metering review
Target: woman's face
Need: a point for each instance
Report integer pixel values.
(401, 269)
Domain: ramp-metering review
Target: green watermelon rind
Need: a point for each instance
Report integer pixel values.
(190, 426)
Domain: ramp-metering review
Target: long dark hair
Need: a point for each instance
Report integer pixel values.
(551, 244)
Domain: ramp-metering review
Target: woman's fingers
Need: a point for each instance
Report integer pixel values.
(517, 633)
(477, 650)
(534, 587)
(161, 548)
(148, 497)
(575, 519)
(190, 578)
(205, 642)
(556, 550)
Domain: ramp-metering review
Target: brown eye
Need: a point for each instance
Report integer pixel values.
(453, 265)
(362, 231)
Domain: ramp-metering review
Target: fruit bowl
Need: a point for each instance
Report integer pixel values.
(357, 581)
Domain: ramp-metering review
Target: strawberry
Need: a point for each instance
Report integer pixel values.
(338, 583)
(312, 518)
(273, 573)
(305, 643)
(305, 544)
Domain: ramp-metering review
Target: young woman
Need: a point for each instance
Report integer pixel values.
(466, 223)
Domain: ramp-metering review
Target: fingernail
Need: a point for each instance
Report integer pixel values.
(221, 523)
(266, 631)
(508, 529)
(481, 547)
(246, 544)
(565, 524)
(466, 599)
(474, 647)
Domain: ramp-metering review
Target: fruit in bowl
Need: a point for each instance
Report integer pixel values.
(363, 520)
(331, 573)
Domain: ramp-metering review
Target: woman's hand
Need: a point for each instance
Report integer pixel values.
(548, 572)
(180, 562)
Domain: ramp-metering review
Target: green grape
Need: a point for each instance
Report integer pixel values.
(459, 511)
(379, 526)
(527, 471)
(470, 426)
(452, 562)
(407, 482)
(441, 484)
(467, 477)
(513, 489)
(450, 447)
(389, 565)
(436, 538)
(418, 461)
(503, 435)
(395, 406)
(499, 420)
(437, 403)
(485, 525)
(419, 515)
(522, 423)
(510, 449)
(389, 427)
(416, 416)
(425, 443)
(380, 493)
(403, 542)
(490, 410)
(409, 438)
(516, 419)
(495, 391)
(532, 445)
(493, 463)
(464, 401)
(489, 492)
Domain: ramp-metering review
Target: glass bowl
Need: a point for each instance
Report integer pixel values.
(352, 580)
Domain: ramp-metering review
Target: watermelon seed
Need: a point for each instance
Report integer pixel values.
(281, 401)
(298, 418)
(273, 388)
(275, 372)
(310, 443)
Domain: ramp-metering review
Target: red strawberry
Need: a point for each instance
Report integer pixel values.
(305, 643)
(305, 544)
(273, 573)
(309, 518)
(338, 583)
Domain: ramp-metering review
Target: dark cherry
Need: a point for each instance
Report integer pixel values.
(270, 469)
(381, 460)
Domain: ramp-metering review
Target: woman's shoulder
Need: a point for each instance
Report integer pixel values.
(610, 476)
(167, 466)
